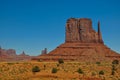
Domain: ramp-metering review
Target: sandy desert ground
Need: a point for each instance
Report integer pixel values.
(64, 71)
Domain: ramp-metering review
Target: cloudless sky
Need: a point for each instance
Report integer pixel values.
(32, 25)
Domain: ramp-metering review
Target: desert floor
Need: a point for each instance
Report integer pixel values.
(65, 71)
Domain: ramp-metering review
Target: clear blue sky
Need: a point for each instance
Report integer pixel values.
(32, 25)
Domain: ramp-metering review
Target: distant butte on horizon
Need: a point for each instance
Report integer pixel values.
(82, 43)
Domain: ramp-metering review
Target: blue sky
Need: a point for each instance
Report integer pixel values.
(32, 25)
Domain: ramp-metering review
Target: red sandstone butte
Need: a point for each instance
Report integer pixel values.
(82, 43)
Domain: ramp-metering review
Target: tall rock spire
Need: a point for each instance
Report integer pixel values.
(99, 34)
(99, 28)
(0, 48)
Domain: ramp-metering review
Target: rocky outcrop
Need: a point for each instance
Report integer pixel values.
(44, 52)
(82, 43)
(23, 56)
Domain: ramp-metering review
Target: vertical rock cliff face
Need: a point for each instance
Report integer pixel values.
(82, 43)
(80, 30)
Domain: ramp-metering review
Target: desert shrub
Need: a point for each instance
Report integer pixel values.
(35, 69)
(80, 71)
(10, 63)
(115, 62)
(17, 62)
(113, 70)
(101, 73)
(54, 70)
(60, 61)
(58, 65)
(44, 66)
(98, 63)
(113, 67)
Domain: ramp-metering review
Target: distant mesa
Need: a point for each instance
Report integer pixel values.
(7, 53)
(10, 55)
(82, 43)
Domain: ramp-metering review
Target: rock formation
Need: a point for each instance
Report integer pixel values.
(10, 55)
(24, 57)
(82, 43)
(44, 52)
(23, 54)
(11, 52)
(80, 30)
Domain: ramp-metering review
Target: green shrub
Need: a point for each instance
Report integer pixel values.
(58, 65)
(54, 70)
(10, 63)
(44, 67)
(115, 62)
(98, 63)
(35, 69)
(113, 68)
(60, 61)
(113, 72)
(101, 73)
(80, 71)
